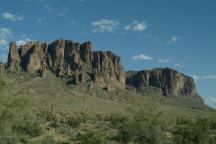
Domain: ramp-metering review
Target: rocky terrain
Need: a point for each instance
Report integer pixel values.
(68, 59)
(169, 81)
(64, 92)
(80, 64)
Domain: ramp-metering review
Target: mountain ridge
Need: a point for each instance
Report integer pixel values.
(80, 64)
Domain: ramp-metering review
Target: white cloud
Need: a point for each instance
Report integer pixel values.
(142, 57)
(195, 77)
(23, 41)
(105, 25)
(48, 8)
(164, 60)
(137, 26)
(3, 43)
(62, 11)
(73, 22)
(42, 20)
(205, 77)
(5, 32)
(36, 0)
(210, 77)
(3, 57)
(179, 65)
(213, 99)
(174, 39)
(12, 17)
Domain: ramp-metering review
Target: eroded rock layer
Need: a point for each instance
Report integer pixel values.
(168, 80)
(79, 64)
(66, 58)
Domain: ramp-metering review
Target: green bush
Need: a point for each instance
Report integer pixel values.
(44, 140)
(138, 132)
(143, 127)
(117, 119)
(27, 126)
(90, 138)
(194, 132)
(8, 138)
(72, 120)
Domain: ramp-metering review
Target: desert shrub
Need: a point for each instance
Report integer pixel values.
(99, 116)
(8, 138)
(143, 127)
(117, 119)
(194, 132)
(44, 140)
(72, 120)
(27, 125)
(90, 138)
(63, 142)
(10, 109)
(59, 119)
(2, 82)
(138, 132)
(63, 130)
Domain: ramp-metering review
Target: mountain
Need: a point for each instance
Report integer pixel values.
(79, 64)
(64, 92)
(168, 81)
(66, 58)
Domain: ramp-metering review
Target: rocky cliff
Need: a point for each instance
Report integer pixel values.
(171, 82)
(66, 58)
(79, 64)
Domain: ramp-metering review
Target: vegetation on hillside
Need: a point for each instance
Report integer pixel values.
(145, 122)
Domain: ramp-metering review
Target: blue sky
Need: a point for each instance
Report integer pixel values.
(146, 33)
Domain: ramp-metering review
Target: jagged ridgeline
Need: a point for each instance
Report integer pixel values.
(79, 64)
(66, 58)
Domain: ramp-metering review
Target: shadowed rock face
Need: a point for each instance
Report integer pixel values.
(2, 67)
(66, 58)
(13, 57)
(107, 66)
(168, 80)
(79, 64)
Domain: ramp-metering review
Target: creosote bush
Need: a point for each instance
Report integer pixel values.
(90, 138)
(201, 131)
(27, 125)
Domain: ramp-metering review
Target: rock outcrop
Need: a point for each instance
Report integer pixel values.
(68, 59)
(171, 82)
(13, 57)
(77, 63)
(1, 69)
(107, 67)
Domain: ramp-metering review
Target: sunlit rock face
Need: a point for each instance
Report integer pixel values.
(171, 82)
(66, 58)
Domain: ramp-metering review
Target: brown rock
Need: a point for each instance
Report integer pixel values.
(13, 57)
(107, 67)
(168, 80)
(2, 67)
(68, 59)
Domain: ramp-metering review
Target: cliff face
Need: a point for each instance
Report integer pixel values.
(107, 66)
(79, 64)
(168, 80)
(13, 57)
(66, 58)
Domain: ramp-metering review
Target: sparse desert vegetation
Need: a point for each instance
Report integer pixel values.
(141, 120)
